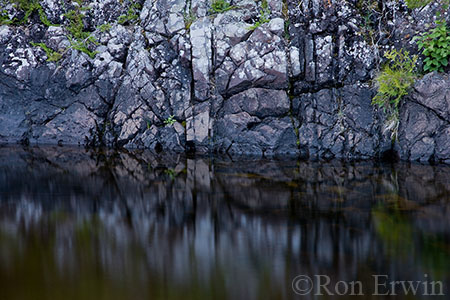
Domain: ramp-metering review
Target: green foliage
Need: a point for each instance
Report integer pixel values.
(51, 54)
(104, 27)
(189, 18)
(170, 120)
(79, 38)
(264, 14)
(435, 46)
(413, 4)
(132, 15)
(287, 36)
(220, 6)
(4, 18)
(76, 26)
(82, 45)
(395, 79)
(28, 7)
(393, 83)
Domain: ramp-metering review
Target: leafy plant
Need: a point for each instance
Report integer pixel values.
(79, 38)
(132, 15)
(104, 27)
(287, 36)
(82, 45)
(4, 18)
(76, 26)
(189, 18)
(264, 14)
(170, 120)
(220, 6)
(51, 54)
(28, 7)
(393, 83)
(435, 46)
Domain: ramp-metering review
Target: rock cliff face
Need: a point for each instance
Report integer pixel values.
(182, 77)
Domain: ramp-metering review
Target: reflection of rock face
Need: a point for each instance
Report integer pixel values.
(219, 223)
(298, 84)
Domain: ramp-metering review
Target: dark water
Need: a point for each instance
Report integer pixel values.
(78, 224)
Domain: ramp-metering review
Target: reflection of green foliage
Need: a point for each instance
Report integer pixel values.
(394, 230)
(87, 230)
(400, 238)
(436, 255)
(171, 172)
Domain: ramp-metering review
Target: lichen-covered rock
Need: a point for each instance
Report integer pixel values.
(327, 47)
(257, 61)
(175, 75)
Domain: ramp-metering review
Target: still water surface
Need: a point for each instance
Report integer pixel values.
(77, 224)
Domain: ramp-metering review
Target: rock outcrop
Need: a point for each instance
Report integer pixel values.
(174, 75)
(424, 132)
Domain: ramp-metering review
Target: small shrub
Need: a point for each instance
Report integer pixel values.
(395, 79)
(435, 46)
(393, 83)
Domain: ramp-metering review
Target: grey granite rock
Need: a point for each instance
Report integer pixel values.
(424, 129)
(181, 77)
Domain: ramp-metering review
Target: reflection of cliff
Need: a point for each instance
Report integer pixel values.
(170, 227)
